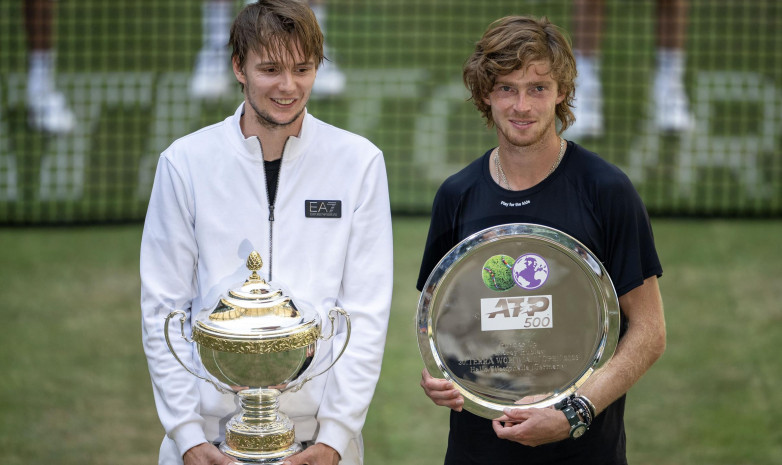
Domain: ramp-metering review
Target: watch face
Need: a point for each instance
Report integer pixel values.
(578, 431)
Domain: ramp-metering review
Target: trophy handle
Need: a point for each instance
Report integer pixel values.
(182, 319)
(332, 317)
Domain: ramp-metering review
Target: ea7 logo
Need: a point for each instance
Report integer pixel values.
(530, 312)
(323, 208)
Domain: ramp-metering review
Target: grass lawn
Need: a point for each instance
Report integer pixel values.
(75, 388)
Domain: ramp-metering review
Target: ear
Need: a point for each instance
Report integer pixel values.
(560, 98)
(238, 71)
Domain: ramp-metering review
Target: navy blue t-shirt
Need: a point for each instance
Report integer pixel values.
(587, 198)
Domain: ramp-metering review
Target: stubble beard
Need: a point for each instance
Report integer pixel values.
(268, 122)
(536, 141)
(265, 119)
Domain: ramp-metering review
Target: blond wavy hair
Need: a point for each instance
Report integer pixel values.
(512, 43)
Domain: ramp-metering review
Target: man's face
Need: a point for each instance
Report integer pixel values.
(523, 104)
(276, 91)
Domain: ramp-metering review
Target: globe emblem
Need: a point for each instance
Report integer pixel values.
(530, 271)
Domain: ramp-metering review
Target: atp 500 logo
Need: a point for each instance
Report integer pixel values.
(529, 312)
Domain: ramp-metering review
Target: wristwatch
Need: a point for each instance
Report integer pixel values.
(577, 427)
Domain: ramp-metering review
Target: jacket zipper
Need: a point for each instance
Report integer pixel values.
(271, 236)
(271, 208)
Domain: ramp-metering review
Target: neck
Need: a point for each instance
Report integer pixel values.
(272, 137)
(525, 167)
(537, 152)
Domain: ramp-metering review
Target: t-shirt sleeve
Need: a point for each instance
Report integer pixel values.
(631, 255)
(441, 237)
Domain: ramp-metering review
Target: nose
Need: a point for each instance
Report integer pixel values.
(522, 103)
(286, 81)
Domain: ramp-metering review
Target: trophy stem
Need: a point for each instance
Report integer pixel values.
(260, 406)
(260, 433)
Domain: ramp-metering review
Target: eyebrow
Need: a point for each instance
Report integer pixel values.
(500, 82)
(277, 63)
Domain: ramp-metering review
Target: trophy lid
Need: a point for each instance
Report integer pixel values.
(255, 318)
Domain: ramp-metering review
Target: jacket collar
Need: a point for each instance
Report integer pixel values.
(251, 147)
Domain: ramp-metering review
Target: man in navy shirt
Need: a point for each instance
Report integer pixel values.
(521, 77)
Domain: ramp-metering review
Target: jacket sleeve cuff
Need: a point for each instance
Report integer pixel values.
(334, 435)
(188, 436)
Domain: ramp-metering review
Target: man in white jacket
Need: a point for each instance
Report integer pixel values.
(250, 183)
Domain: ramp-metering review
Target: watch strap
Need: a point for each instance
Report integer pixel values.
(577, 426)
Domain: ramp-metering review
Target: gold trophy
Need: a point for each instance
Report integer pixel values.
(257, 343)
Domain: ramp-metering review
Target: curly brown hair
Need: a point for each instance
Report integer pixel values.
(278, 27)
(511, 43)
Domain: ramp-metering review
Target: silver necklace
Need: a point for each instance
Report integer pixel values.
(501, 172)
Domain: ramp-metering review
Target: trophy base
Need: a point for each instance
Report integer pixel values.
(265, 458)
(260, 433)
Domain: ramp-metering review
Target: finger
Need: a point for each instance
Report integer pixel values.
(435, 384)
(225, 459)
(499, 428)
(448, 396)
(444, 394)
(426, 378)
(441, 392)
(427, 381)
(506, 430)
(451, 399)
(456, 404)
(295, 459)
(304, 457)
(515, 414)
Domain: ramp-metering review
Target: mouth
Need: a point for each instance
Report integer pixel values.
(284, 101)
(521, 123)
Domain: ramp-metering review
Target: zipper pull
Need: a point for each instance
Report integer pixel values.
(271, 212)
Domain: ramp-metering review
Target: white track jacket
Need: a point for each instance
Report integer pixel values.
(209, 209)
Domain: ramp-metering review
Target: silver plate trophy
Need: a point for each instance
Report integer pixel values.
(257, 343)
(517, 315)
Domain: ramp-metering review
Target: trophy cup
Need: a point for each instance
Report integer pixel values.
(257, 343)
(517, 315)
